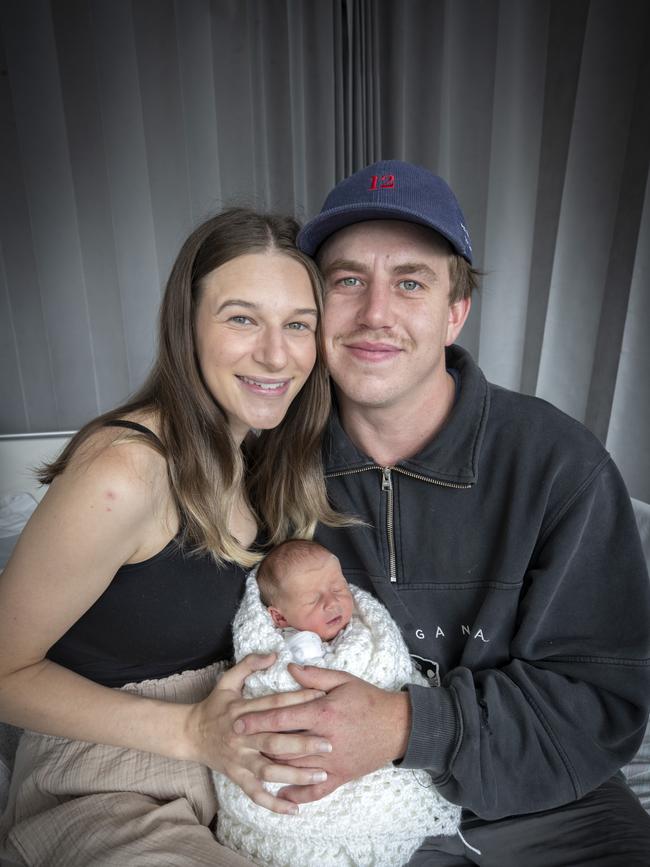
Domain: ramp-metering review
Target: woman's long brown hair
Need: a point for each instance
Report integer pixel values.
(281, 469)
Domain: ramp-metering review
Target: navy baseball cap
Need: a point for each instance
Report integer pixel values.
(389, 190)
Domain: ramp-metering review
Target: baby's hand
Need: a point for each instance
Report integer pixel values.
(306, 648)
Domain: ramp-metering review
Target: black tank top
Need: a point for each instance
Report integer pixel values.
(170, 613)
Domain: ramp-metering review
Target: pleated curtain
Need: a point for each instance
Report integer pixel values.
(126, 122)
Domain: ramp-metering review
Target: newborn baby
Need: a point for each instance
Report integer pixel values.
(307, 596)
(301, 607)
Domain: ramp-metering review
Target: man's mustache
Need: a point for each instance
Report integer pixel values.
(365, 335)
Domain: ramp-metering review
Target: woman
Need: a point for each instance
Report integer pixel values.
(130, 571)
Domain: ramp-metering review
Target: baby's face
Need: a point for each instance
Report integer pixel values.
(315, 597)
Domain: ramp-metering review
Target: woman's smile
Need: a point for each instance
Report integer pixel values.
(267, 387)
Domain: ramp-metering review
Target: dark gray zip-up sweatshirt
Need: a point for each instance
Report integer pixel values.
(508, 553)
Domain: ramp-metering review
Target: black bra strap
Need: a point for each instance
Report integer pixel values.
(133, 425)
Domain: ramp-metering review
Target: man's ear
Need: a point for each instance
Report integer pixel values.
(458, 313)
(278, 617)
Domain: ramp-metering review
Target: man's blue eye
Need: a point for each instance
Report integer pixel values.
(410, 285)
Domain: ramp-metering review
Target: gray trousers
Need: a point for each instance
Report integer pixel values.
(606, 828)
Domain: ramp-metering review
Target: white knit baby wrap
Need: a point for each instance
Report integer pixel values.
(376, 821)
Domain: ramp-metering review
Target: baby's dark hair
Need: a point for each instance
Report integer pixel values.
(273, 567)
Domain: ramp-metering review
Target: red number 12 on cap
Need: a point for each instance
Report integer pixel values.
(385, 182)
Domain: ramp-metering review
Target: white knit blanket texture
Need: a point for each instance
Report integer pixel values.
(378, 820)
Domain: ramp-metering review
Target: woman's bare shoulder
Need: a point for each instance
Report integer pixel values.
(117, 464)
(104, 510)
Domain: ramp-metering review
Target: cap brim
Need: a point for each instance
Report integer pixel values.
(318, 230)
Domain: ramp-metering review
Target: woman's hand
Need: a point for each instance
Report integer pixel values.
(368, 727)
(245, 759)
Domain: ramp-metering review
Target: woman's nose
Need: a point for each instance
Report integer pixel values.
(271, 350)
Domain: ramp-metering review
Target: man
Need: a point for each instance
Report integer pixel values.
(500, 536)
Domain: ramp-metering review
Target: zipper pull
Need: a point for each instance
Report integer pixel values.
(386, 482)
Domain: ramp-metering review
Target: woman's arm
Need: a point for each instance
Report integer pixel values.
(108, 508)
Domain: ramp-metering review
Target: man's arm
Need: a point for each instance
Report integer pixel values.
(569, 707)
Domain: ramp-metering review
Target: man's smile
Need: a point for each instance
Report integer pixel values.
(371, 350)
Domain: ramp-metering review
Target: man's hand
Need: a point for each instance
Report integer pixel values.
(247, 758)
(368, 727)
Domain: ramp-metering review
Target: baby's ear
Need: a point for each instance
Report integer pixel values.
(277, 617)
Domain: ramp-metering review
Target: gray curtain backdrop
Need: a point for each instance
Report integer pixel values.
(126, 123)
